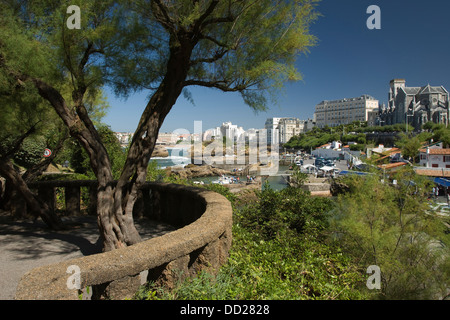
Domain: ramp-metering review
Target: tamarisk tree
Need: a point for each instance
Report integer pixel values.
(163, 47)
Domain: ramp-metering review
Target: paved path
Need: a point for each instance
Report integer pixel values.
(25, 245)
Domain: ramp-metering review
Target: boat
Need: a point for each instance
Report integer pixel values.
(223, 180)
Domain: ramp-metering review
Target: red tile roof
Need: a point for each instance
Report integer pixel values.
(438, 151)
(392, 165)
(433, 173)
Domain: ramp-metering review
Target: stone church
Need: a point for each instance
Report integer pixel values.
(415, 105)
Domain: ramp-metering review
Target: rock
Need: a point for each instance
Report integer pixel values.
(160, 151)
(193, 171)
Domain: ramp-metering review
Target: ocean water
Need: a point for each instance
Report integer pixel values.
(275, 182)
(178, 157)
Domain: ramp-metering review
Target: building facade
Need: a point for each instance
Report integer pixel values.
(227, 129)
(271, 126)
(289, 127)
(281, 130)
(345, 111)
(435, 157)
(124, 138)
(415, 105)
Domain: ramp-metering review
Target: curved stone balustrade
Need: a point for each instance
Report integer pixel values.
(202, 241)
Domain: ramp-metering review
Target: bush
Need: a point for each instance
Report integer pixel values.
(277, 253)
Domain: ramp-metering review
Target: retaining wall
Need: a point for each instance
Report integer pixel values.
(202, 241)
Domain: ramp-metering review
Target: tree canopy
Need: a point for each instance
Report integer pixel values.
(162, 47)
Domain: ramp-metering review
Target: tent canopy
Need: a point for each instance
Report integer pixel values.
(443, 182)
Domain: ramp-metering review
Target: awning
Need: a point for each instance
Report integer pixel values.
(443, 182)
(345, 172)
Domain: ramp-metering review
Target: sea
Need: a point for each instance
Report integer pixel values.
(179, 157)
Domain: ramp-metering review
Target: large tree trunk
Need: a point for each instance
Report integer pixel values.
(115, 202)
(118, 230)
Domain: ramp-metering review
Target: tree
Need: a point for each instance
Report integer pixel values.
(249, 47)
(390, 226)
(410, 145)
(24, 136)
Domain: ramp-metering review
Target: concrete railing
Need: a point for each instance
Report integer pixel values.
(201, 242)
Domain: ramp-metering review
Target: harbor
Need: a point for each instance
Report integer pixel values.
(275, 175)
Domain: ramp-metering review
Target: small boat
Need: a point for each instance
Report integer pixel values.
(223, 180)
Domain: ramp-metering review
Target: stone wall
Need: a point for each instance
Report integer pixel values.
(201, 242)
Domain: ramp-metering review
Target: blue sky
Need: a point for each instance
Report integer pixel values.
(349, 60)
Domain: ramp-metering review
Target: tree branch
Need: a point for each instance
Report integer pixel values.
(217, 56)
(17, 143)
(162, 16)
(222, 85)
(199, 23)
(219, 43)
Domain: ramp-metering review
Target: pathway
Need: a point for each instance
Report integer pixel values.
(25, 245)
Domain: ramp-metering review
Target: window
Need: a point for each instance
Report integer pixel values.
(423, 156)
(446, 158)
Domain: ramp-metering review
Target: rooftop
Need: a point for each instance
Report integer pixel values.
(436, 151)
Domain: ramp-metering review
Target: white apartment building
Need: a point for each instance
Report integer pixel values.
(345, 111)
(289, 127)
(124, 137)
(227, 129)
(271, 126)
(281, 130)
(231, 131)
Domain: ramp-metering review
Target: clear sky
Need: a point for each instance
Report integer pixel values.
(350, 60)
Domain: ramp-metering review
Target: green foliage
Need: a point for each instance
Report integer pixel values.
(354, 132)
(409, 145)
(298, 177)
(242, 46)
(282, 213)
(391, 226)
(281, 269)
(79, 160)
(278, 252)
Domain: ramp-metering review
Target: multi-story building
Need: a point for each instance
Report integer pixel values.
(231, 131)
(415, 105)
(167, 138)
(281, 130)
(345, 111)
(289, 127)
(271, 127)
(124, 138)
(227, 129)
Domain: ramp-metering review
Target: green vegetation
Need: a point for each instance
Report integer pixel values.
(289, 245)
(279, 251)
(354, 132)
(391, 226)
